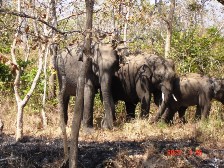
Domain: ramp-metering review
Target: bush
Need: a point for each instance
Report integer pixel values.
(197, 52)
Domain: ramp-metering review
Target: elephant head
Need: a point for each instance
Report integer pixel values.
(218, 89)
(163, 78)
(105, 61)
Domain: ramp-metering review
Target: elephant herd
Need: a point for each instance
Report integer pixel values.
(133, 81)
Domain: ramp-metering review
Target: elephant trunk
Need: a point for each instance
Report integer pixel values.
(108, 102)
(166, 96)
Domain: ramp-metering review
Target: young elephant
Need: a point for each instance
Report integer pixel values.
(194, 89)
(141, 77)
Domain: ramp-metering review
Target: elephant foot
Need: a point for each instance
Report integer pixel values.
(105, 124)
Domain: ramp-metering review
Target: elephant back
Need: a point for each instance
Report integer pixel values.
(190, 86)
(69, 66)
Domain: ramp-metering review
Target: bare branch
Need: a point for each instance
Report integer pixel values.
(22, 14)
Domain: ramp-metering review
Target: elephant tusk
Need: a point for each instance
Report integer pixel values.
(174, 97)
(162, 96)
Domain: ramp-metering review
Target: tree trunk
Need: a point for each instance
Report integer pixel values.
(53, 53)
(43, 113)
(113, 18)
(52, 78)
(73, 157)
(126, 23)
(62, 119)
(168, 40)
(76, 122)
(19, 121)
(169, 22)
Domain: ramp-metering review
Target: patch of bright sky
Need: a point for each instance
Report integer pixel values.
(214, 15)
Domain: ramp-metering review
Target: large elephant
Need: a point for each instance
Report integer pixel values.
(141, 77)
(105, 62)
(194, 89)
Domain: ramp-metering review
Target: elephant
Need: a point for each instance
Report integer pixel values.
(105, 61)
(193, 89)
(139, 78)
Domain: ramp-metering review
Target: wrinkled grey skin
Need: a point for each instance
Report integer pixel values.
(141, 77)
(103, 66)
(194, 89)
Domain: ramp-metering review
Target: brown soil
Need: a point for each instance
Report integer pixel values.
(43, 152)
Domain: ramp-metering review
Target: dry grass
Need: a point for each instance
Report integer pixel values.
(209, 135)
(135, 130)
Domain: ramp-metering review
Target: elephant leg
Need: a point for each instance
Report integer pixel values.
(144, 95)
(198, 112)
(181, 113)
(203, 107)
(89, 93)
(130, 108)
(113, 111)
(168, 115)
(108, 102)
(145, 106)
(206, 111)
(65, 108)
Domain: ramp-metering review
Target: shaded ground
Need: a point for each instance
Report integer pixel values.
(37, 152)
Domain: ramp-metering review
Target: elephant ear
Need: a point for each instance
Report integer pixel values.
(216, 85)
(218, 89)
(171, 62)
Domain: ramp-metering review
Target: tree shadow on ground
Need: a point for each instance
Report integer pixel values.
(44, 152)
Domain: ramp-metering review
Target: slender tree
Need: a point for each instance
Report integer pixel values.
(53, 49)
(73, 158)
(42, 52)
(169, 23)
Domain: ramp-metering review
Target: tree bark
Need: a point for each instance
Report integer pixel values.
(43, 113)
(53, 53)
(169, 22)
(126, 23)
(21, 103)
(19, 121)
(73, 161)
(73, 157)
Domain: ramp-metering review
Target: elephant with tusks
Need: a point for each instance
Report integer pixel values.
(139, 78)
(193, 89)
